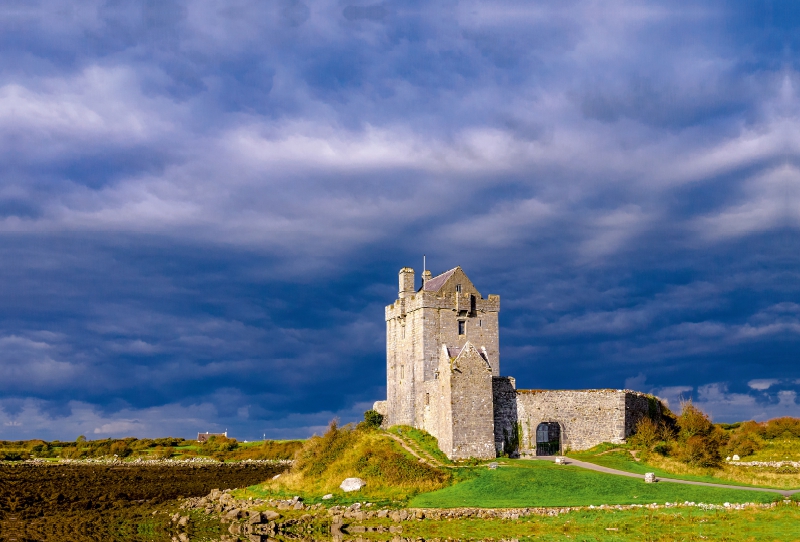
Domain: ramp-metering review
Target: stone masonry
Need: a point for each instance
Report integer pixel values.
(443, 376)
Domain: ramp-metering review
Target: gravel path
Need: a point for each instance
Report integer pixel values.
(599, 468)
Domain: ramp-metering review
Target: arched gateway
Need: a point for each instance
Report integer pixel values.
(548, 438)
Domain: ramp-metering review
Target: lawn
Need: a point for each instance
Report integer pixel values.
(521, 483)
(673, 525)
(622, 460)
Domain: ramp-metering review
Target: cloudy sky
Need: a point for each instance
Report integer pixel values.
(204, 205)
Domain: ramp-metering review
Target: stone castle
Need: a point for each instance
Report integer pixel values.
(443, 376)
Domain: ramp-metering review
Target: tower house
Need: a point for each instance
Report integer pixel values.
(445, 311)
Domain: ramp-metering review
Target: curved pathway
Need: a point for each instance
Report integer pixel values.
(591, 466)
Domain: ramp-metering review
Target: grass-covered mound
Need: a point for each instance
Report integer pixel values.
(523, 483)
(359, 451)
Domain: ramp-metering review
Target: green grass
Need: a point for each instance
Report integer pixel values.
(622, 460)
(424, 440)
(524, 483)
(673, 525)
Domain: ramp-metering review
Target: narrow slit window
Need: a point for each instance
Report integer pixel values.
(461, 327)
(402, 371)
(458, 288)
(427, 399)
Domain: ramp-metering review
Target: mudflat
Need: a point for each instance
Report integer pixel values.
(84, 502)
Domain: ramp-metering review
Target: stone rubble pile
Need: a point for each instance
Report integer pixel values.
(773, 464)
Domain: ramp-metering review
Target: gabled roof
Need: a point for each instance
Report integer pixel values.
(437, 282)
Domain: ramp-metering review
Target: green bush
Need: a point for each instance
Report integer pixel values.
(373, 418)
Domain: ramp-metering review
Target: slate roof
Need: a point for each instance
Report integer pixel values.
(434, 284)
(453, 351)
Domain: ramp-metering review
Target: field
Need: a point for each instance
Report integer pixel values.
(524, 483)
(619, 457)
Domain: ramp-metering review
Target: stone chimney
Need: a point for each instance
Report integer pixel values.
(406, 282)
(426, 276)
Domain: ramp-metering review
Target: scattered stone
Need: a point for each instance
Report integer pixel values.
(560, 460)
(736, 457)
(352, 484)
(493, 465)
(650, 477)
(276, 476)
(271, 515)
(328, 496)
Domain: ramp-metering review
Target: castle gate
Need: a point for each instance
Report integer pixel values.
(548, 438)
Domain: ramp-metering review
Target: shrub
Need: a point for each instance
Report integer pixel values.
(120, 448)
(698, 440)
(373, 418)
(647, 434)
(782, 427)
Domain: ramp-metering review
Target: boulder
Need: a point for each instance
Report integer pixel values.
(328, 496)
(650, 477)
(352, 484)
(255, 517)
(270, 515)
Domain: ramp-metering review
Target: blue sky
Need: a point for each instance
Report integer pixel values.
(204, 206)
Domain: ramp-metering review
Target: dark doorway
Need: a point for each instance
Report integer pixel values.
(548, 439)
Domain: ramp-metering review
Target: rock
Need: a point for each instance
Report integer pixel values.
(403, 515)
(650, 477)
(736, 457)
(182, 522)
(493, 465)
(233, 515)
(183, 537)
(270, 515)
(560, 460)
(255, 518)
(328, 496)
(352, 484)
(298, 506)
(276, 476)
(394, 515)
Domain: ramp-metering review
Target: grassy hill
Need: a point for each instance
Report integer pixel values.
(391, 473)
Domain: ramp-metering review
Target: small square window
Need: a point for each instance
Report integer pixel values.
(462, 325)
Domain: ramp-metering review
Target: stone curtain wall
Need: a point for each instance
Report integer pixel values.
(638, 406)
(505, 409)
(587, 417)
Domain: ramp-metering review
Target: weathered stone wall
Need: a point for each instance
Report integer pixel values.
(504, 395)
(586, 417)
(472, 412)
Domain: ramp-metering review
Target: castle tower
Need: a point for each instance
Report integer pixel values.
(446, 311)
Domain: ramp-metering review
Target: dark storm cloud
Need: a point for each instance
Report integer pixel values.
(203, 205)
